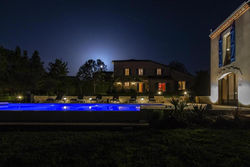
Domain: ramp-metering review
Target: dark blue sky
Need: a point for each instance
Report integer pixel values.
(77, 30)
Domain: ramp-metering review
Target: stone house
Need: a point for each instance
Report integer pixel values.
(230, 59)
(147, 76)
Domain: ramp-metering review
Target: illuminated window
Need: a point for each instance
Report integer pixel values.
(126, 84)
(162, 87)
(227, 48)
(140, 71)
(118, 83)
(158, 71)
(182, 85)
(126, 71)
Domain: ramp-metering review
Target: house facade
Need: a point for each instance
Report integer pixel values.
(146, 76)
(230, 59)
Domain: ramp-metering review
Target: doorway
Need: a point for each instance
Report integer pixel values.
(140, 87)
(228, 90)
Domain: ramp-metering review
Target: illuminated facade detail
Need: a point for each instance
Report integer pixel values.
(181, 85)
(234, 16)
(126, 84)
(140, 71)
(126, 72)
(162, 87)
(158, 71)
(147, 76)
(230, 59)
(226, 49)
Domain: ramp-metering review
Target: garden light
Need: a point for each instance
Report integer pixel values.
(19, 97)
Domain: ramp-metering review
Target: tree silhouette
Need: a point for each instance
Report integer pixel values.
(58, 68)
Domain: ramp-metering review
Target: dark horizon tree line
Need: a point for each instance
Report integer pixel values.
(21, 74)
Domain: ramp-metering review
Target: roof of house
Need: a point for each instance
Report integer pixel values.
(133, 60)
(229, 20)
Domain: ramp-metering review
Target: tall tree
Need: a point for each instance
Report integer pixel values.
(87, 70)
(90, 73)
(201, 84)
(57, 74)
(36, 71)
(18, 51)
(58, 69)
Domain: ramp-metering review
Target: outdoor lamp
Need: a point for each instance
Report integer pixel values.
(19, 97)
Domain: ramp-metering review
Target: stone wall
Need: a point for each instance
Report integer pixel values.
(240, 67)
(203, 99)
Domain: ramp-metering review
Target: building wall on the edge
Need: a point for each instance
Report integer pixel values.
(241, 66)
(243, 57)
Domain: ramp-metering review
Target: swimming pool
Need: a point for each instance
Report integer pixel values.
(68, 107)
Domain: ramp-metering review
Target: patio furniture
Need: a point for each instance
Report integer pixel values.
(73, 101)
(50, 100)
(99, 99)
(151, 99)
(80, 99)
(92, 100)
(132, 99)
(59, 99)
(115, 99)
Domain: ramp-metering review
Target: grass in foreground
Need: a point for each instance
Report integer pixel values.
(179, 147)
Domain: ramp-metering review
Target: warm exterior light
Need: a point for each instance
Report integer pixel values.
(133, 83)
(244, 92)
(118, 83)
(159, 92)
(185, 93)
(19, 97)
(65, 98)
(214, 93)
(90, 98)
(142, 98)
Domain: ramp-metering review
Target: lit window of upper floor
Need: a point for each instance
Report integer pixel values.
(226, 49)
(181, 85)
(126, 72)
(140, 71)
(227, 46)
(158, 71)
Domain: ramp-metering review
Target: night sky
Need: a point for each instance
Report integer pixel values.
(77, 30)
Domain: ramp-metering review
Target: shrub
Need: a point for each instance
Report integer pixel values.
(200, 111)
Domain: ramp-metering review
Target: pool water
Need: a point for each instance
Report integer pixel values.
(68, 107)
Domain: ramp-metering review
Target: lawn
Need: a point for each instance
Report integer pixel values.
(175, 147)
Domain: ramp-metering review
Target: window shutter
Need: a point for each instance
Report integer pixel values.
(130, 72)
(220, 51)
(124, 72)
(144, 87)
(233, 42)
(137, 72)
